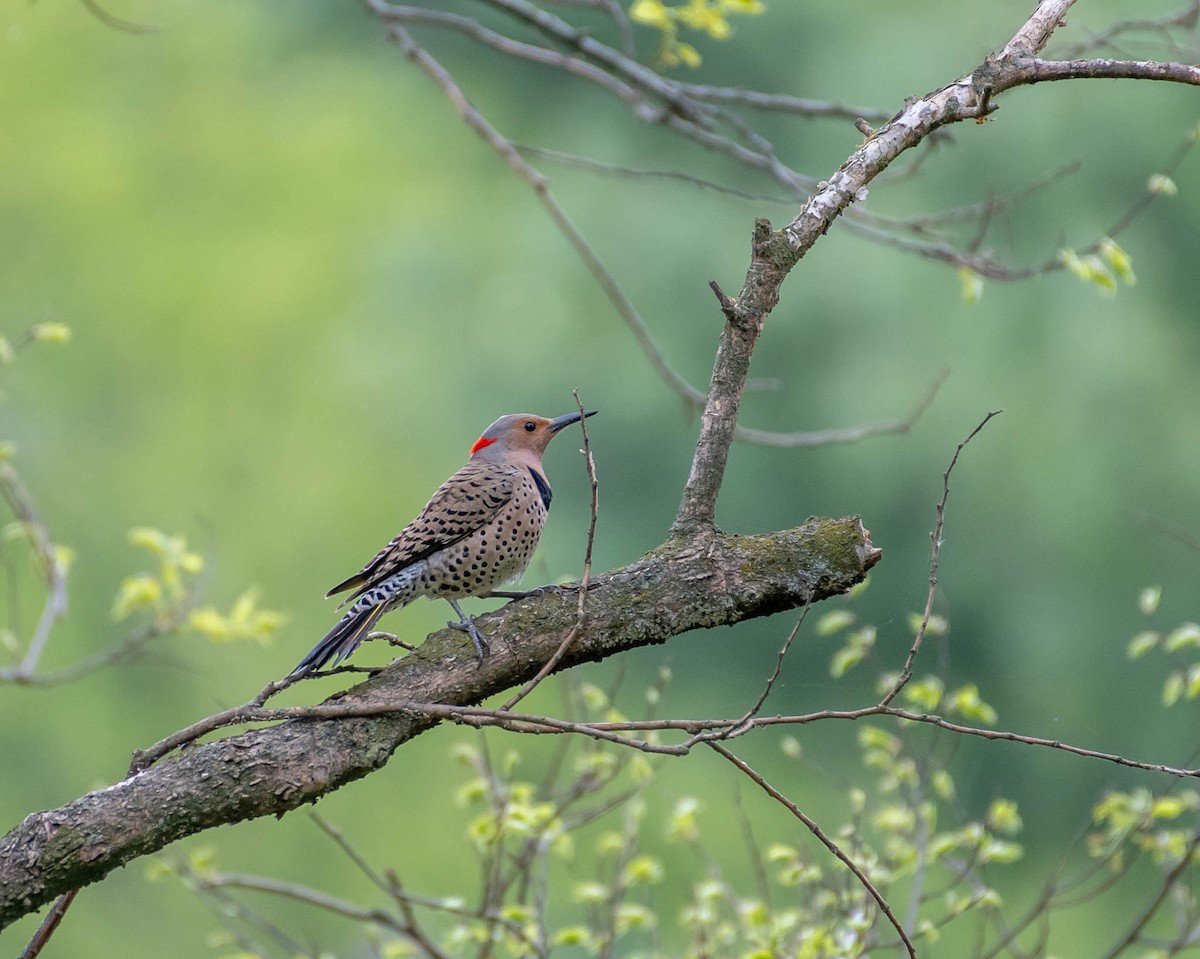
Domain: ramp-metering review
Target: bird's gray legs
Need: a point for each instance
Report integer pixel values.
(468, 627)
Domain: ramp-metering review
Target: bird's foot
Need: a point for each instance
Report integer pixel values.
(481, 646)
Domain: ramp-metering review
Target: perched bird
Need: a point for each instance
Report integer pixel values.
(477, 532)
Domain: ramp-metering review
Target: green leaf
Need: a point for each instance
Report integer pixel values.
(633, 916)
(1162, 185)
(1003, 817)
(642, 870)
(872, 737)
(895, 818)
(833, 621)
(937, 625)
(50, 332)
(1142, 643)
(136, 593)
(844, 660)
(1169, 807)
(574, 936)
(1148, 600)
(924, 693)
(1173, 689)
(1187, 634)
(683, 824)
(203, 860)
(1118, 259)
(1192, 689)
(972, 285)
(1000, 850)
(610, 843)
(1090, 269)
(966, 701)
(594, 698)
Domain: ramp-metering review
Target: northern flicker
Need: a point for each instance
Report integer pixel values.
(477, 532)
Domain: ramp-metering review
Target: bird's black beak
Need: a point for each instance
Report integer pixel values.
(567, 419)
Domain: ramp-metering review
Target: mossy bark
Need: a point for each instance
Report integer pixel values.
(713, 579)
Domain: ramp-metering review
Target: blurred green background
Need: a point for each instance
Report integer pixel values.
(299, 287)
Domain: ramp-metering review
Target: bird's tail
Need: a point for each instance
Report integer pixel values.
(343, 639)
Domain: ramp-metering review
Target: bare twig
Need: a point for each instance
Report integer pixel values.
(1037, 71)
(121, 651)
(780, 102)
(591, 260)
(115, 22)
(584, 580)
(754, 710)
(829, 844)
(613, 731)
(848, 434)
(389, 885)
(1185, 20)
(1171, 530)
(935, 551)
(48, 925)
(55, 606)
(1148, 195)
(673, 176)
(1186, 862)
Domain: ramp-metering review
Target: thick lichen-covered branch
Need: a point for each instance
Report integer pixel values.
(717, 580)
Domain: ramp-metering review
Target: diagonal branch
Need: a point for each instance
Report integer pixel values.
(832, 846)
(270, 771)
(541, 188)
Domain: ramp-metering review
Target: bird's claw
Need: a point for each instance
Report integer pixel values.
(481, 646)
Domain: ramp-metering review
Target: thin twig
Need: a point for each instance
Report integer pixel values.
(1171, 530)
(781, 102)
(743, 725)
(1185, 19)
(829, 844)
(42, 936)
(584, 580)
(1186, 862)
(848, 434)
(55, 606)
(934, 553)
(498, 142)
(390, 885)
(632, 173)
(612, 731)
(118, 23)
(1148, 195)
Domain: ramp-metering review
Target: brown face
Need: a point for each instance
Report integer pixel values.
(517, 431)
(524, 431)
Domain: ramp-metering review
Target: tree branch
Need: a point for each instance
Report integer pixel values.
(1035, 70)
(770, 260)
(55, 607)
(268, 772)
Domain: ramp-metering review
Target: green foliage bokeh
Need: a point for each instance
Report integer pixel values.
(299, 287)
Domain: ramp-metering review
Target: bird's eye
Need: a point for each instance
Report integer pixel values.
(530, 426)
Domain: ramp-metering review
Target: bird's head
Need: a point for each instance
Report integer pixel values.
(521, 436)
